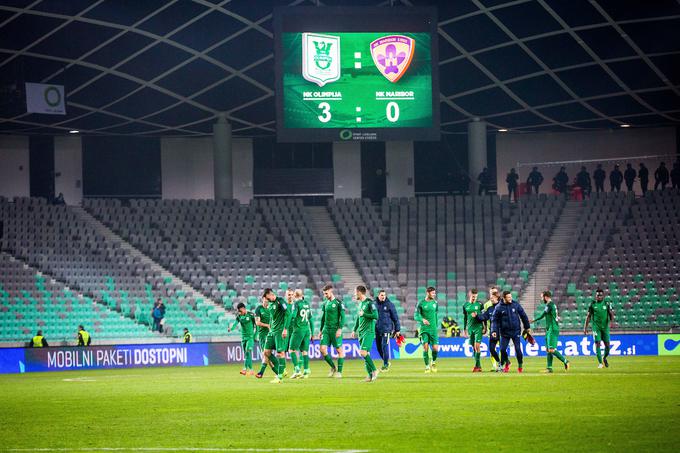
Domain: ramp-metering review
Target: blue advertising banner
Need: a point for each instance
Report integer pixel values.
(22, 360)
(569, 345)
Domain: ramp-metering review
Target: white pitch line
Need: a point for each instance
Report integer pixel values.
(197, 449)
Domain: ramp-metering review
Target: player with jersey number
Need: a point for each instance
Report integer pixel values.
(278, 332)
(247, 321)
(600, 312)
(301, 327)
(364, 329)
(332, 322)
(552, 332)
(426, 315)
(474, 328)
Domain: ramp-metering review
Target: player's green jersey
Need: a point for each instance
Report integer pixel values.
(280, 315)
(332, 315)
(472, 323)
(301, 318)
(263, 314)
(365, 324)
(599, 314)
(427, 310)
(247, 322)
(550, 315)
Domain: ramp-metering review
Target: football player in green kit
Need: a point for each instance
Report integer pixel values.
(426, 315)
(600, 312)
(301, 328)
(552, 332)
(247, 321)
(262, 323)
(278, 332)
(474, 328)
(364, 329)
(332, 322)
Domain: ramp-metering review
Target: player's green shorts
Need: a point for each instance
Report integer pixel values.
(475, 335)
(275, 341)
(429, 337)
(328, 338)
(366, 342)
(262, 339)
(299, 341)
(551, 337)
(247, 343)
(601, 334)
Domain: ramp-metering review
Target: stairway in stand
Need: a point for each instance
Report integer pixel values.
(552, 258)
(328, 237)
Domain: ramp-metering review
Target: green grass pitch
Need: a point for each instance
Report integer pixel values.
(632, 406)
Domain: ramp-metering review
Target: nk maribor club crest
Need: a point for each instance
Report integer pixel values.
(392, 55)
(320, 58)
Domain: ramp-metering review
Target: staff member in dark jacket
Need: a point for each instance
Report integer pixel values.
(511, 179)
(506, 323)
(643, 174)
(387, 326)
(599, 176)
(38, 341)
(583, 181)
(535, 179)
(661, 177)
(675, 175)
(629, 176)
(615, 179)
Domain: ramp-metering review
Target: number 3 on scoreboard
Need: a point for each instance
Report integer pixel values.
(325, 112)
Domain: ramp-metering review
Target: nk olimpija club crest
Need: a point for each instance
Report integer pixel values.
(320, 58)
(392, 55)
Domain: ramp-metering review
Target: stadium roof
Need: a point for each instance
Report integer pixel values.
(168, 67)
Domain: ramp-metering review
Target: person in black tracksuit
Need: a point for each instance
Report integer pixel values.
(506, 322)
(386, 327)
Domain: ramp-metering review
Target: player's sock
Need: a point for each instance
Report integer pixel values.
(367, 366)
(329, 360)
(426, 358)
(341, 363)
(478, 362)
(550, 360)
(560, 357)
(275, 363)
(294, 359)
(599, 353)
(249, 360)
(370, 362)
(282, 366)
(263, 368)
(435, 353)
(305, 362)
(606, 351)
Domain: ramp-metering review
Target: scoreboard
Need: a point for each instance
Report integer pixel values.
(356, 74)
